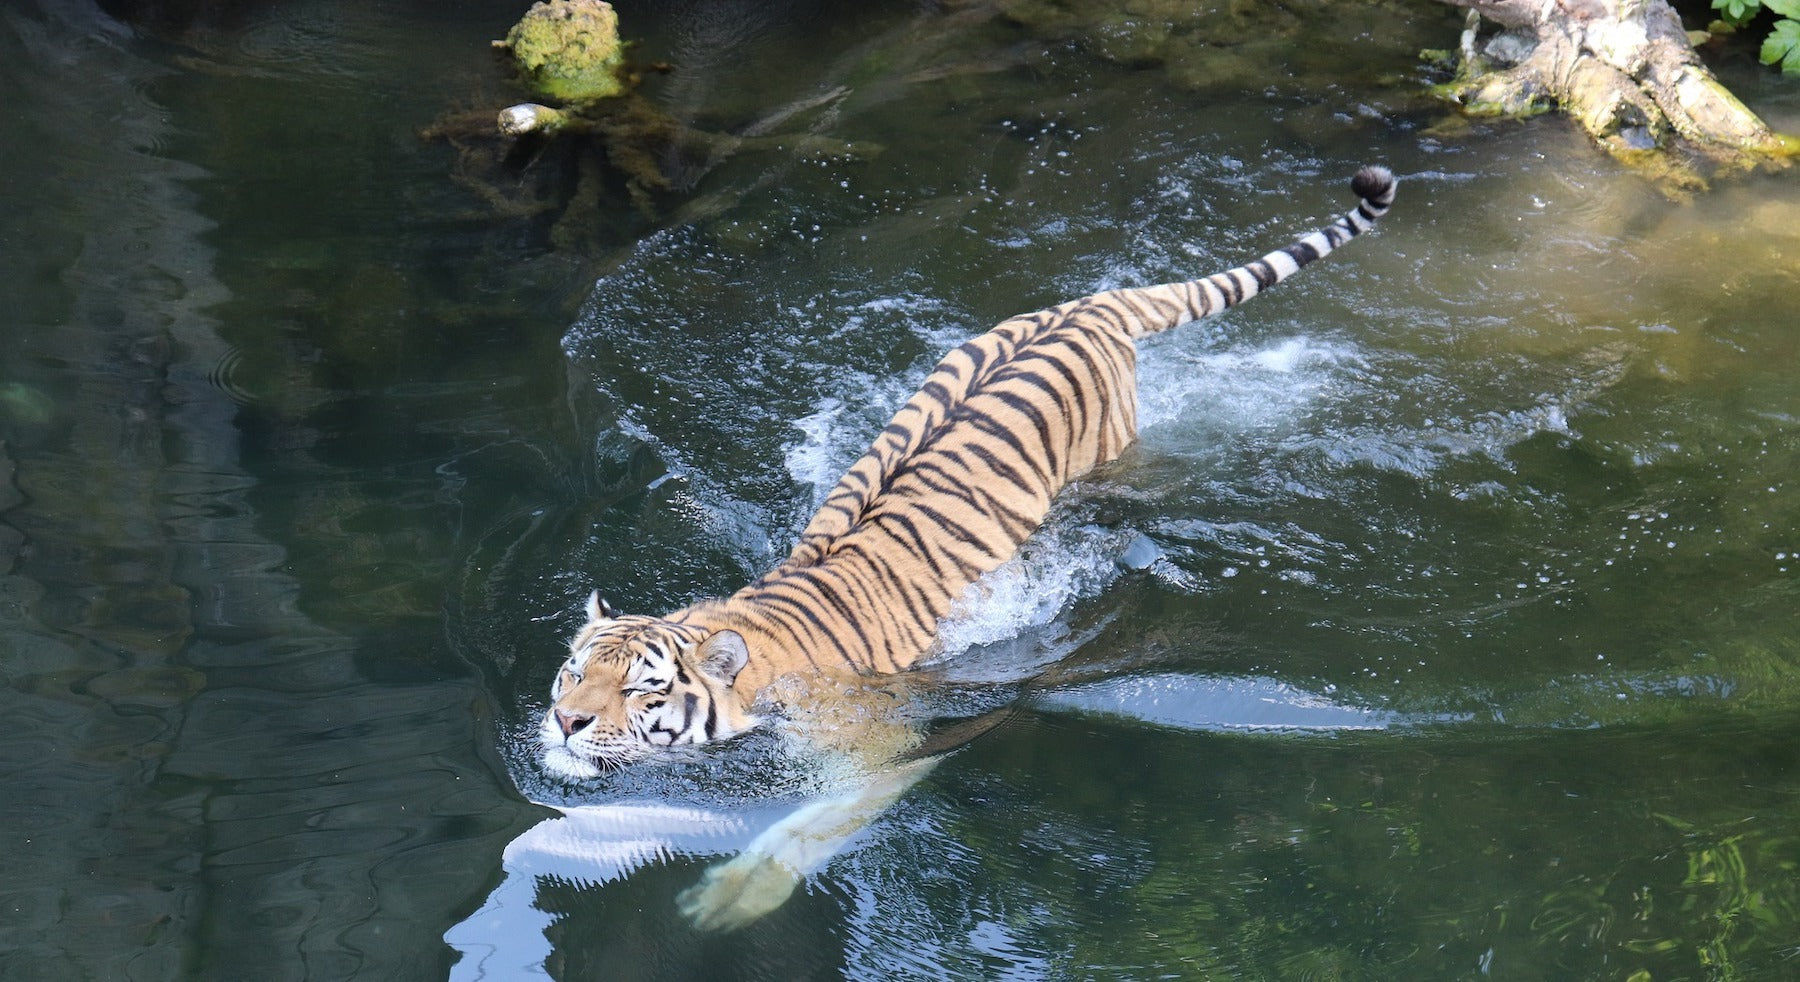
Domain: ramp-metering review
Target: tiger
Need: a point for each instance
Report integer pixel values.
(964, 472)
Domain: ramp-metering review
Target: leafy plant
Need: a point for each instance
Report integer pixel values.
(1782, 46)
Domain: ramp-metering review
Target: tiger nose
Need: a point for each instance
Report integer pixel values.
(572, 723)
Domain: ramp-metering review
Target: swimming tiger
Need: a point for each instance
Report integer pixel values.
(952, 486)
(964, 472)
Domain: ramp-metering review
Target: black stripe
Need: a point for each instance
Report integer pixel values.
(908, 593)
(1103, 385)
(962, 533)
(940, 480)
(1035, 414)
(978, 499)
(923, 544)
(1017, 524)
(914, 541)
(1110, 314)
(873, 600)
(937, 391)
(843, 595)
(822, 592)
(983, 423)
(1051, 356)
(849, 510)
(977, 354)
(1302, 252)
(1235, 294)
(992, 462)
(795, 615)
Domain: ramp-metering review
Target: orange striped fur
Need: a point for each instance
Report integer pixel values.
(963, 474)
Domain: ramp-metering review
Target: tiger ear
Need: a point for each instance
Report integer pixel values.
(598, 609)
(723, 655)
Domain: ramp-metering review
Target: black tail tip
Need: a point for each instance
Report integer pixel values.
(1374, 183)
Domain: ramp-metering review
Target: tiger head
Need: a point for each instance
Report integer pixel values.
(634, 685)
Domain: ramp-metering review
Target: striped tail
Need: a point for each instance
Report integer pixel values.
(1160, 308)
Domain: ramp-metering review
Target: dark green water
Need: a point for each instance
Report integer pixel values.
(1456, 636)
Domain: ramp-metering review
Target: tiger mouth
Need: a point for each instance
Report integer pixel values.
(582, 763)
(566, 763)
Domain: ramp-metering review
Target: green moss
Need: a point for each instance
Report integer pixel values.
(1515, 95)
(569, 50)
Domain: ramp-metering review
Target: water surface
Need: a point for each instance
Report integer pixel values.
(1440, 625)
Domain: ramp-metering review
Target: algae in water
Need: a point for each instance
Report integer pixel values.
(569, 50)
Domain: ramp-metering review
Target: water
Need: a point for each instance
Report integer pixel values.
(1439, 626)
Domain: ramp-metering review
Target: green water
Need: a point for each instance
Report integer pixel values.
(1440, 626)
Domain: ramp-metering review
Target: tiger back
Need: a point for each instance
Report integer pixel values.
(962, 475)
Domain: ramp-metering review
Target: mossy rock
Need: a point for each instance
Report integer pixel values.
(569, 50)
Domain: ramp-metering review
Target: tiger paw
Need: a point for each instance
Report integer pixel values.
(736, 892)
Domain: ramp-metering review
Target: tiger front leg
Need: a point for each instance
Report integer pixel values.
(749, 885)
(737, 892)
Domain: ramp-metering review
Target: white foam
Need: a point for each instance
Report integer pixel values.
(838, 432)
(1238, 388)
(816, 461)
(1055, 568)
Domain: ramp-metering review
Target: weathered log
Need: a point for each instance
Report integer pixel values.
(1626, 71)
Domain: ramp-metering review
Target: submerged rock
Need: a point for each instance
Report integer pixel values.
(569, 50)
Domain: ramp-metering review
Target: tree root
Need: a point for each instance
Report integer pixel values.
(1625, 70)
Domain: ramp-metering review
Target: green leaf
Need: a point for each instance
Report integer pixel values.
(1784, 8)
(1783, 46)
(1738, 12)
